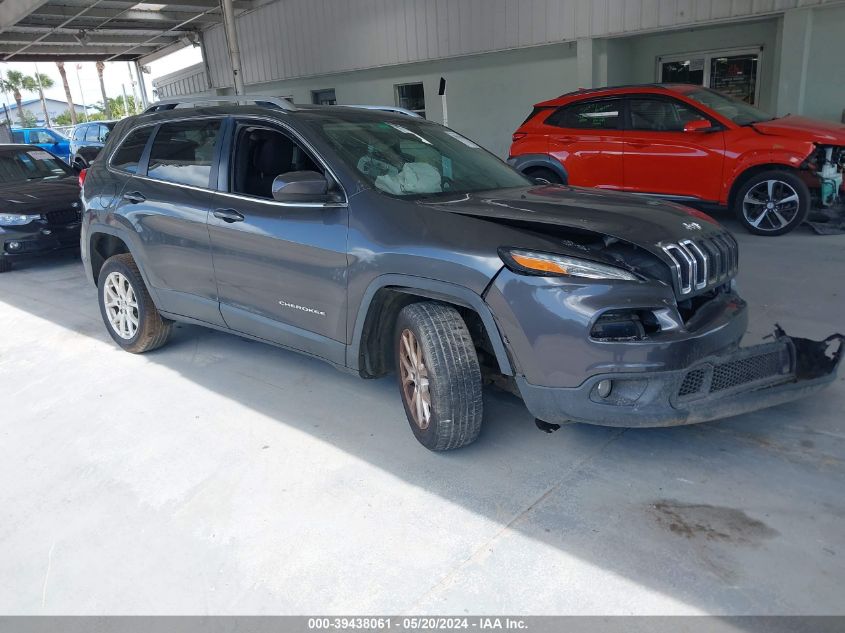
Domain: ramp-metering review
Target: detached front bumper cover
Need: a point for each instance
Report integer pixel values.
(717, 387)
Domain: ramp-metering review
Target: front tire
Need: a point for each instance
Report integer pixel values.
(127, 309)
(772, 203)
(439, 375)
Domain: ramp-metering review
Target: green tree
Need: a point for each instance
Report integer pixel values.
(14, 82)
(68, 96)
(38, 83)
(29, 119)
(64, 118)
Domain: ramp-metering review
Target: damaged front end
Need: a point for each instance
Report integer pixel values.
(747, 379)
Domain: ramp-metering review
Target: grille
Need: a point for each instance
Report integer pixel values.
(751, 368)
(703, 263)
(746, 370)
(63, 217)
(692, 383)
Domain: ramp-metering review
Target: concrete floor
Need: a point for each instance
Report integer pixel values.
(223, 476)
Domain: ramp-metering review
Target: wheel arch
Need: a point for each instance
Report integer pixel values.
(526, 162)
(751, 171)
(371, 355)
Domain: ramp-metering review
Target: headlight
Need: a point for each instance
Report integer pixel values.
(549, 265)
(15, 219)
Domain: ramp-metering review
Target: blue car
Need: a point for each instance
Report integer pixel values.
(45, 138)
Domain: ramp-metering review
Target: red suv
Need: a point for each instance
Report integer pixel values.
(688, 143)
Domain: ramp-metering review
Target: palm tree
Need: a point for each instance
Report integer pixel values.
(101, 66)
(15, 82)
(37, 83)
(68, 96)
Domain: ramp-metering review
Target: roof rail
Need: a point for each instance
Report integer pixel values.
(386, 108)
(261, 100)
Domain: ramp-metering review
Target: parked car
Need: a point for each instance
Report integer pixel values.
(377, 241)
(686, 143)
(39, 203)
(87, 140)
(45, 138)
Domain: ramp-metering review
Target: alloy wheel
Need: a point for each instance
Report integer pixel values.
(770, 205)
(415, 382)
(121, 305)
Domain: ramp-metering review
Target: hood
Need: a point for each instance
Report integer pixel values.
(804, 129)
(39, 196)
(646, 222)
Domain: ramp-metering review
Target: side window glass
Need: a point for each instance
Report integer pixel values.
(661, 115)
(128, 155)
(91, 133)
(79, 133)
(104, 133)
(183, 151)
(261, 154)
(41, 137)
(591, 115)
(17, 137)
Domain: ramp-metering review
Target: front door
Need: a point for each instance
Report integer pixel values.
(660, 157)
(586, 138)
(280, 267)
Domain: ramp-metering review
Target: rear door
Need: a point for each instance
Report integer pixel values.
(586, 137)
(281, 267)
(167, 201)
(660, 157)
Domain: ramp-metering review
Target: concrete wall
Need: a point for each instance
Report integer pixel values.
(642, 51)
(825, 78)
(488, 95)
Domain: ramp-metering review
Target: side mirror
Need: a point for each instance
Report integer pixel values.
(698, 125)
(300, 186)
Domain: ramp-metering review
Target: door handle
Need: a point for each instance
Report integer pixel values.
(228, 215)
(134, 197)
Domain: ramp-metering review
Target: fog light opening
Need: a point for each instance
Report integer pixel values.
(604, 388)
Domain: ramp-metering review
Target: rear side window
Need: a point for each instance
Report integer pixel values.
(589, 115)
(93, 133)
(183, 152)
(17, 137)
(79, 133)
(128, 155)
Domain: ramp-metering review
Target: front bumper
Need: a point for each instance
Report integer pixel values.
(37, 238)
(716, 387)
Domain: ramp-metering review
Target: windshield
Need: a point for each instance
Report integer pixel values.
(737, 111)
(33, 164)
(414, 158)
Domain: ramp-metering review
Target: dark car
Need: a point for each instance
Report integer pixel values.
(87, 140)
(40, 209)
(382, 242)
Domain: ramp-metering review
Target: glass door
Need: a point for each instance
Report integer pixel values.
(734, 72)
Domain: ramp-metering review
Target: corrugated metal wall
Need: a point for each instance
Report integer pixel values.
(189, 81)
(301, 38)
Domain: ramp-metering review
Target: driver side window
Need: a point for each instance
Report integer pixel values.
(260, 155)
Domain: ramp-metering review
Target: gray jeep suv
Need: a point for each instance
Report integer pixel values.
(381, 242)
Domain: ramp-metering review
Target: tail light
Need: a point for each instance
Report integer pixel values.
(518, 135)
(82, 174)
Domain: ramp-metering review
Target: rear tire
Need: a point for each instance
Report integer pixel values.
(127, 309)
(772, 202)
(439, 375)
(545, 174)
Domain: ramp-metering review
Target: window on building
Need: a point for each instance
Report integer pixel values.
(589, 115)
(660, 115)
(411, 97)
(183, 151)
(128, 155)
(734, 73)
(323, 97)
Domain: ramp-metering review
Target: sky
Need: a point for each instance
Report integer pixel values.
(115, 76)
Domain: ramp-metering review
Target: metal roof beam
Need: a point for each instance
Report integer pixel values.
(13, 12)
(94, 39)
(58, 13)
